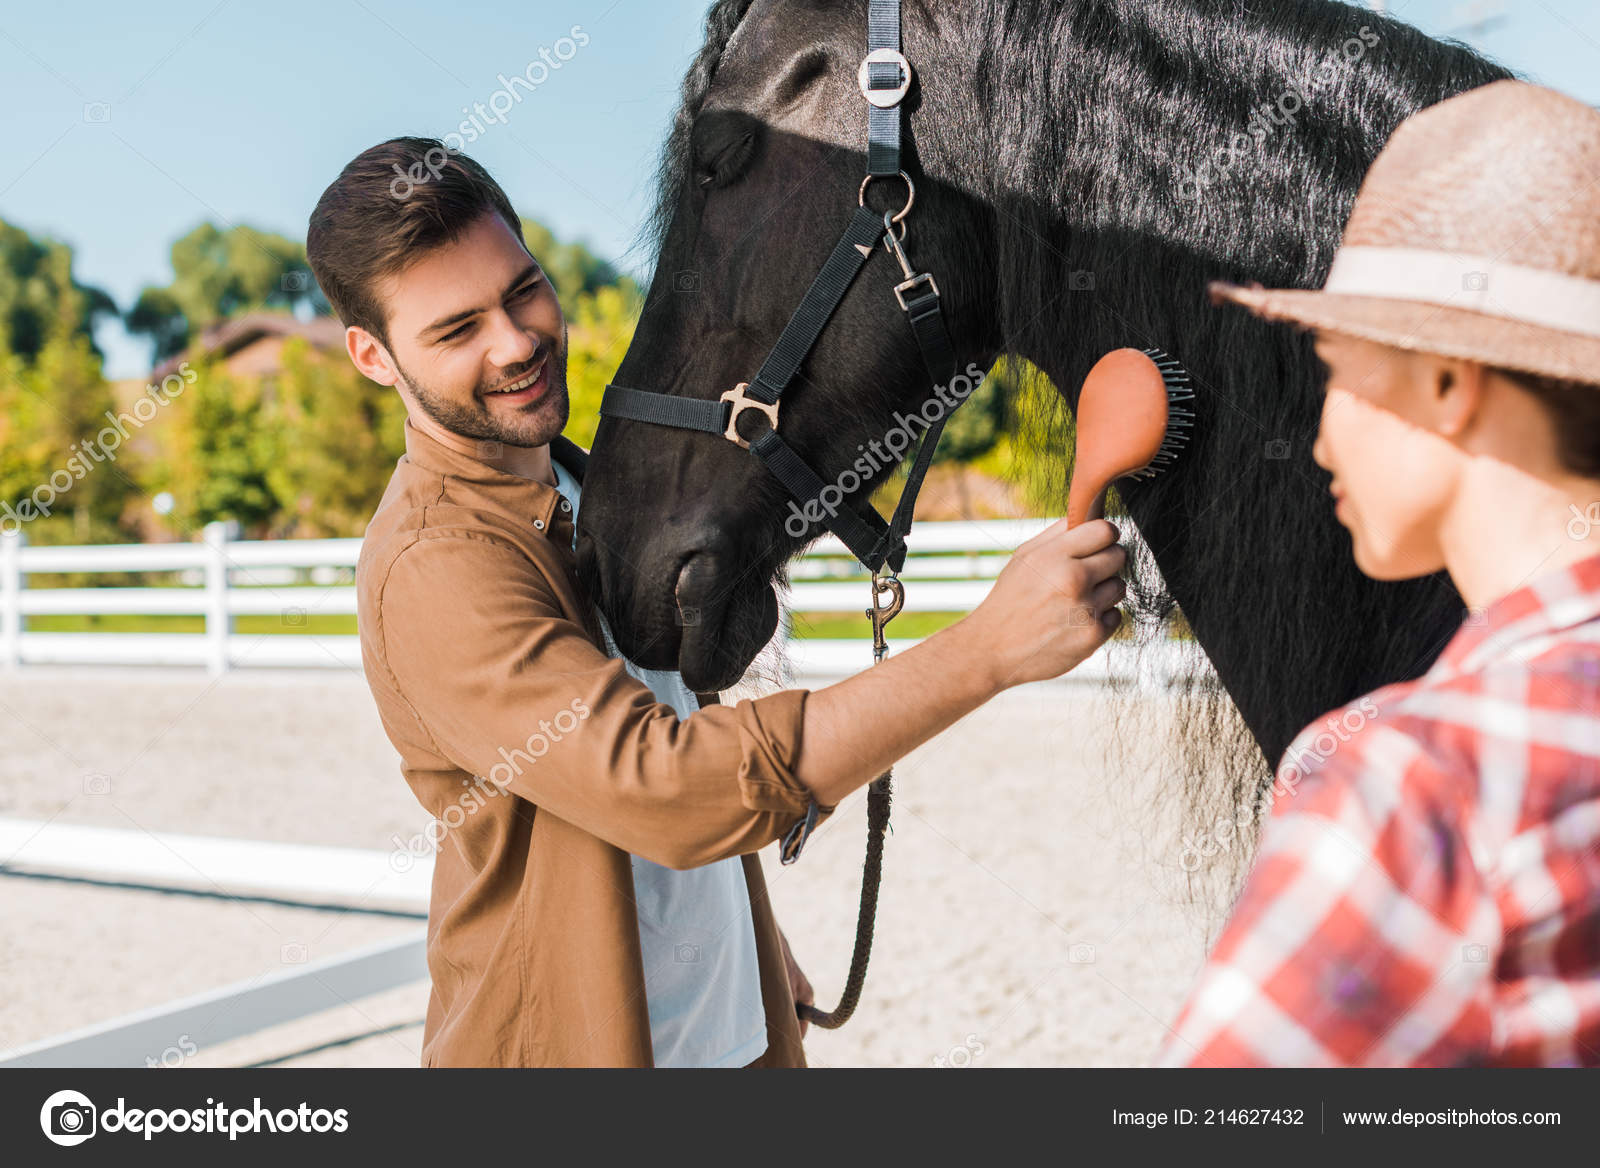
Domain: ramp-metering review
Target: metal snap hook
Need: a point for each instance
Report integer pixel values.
(884, 583)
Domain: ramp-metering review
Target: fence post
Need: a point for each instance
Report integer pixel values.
(12, 582)
(219, 624)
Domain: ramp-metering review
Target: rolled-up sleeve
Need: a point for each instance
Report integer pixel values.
(509, 688)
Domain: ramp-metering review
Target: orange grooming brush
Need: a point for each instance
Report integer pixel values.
(1134, 416)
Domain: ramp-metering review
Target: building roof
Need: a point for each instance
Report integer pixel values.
(228, 337)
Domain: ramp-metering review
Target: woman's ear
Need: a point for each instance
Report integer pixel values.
(1456, 395)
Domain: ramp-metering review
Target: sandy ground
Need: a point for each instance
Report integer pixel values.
(1030, 914)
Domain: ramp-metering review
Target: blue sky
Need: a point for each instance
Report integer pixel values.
(128, 124)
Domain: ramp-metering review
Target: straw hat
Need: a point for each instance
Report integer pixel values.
(1476, 234)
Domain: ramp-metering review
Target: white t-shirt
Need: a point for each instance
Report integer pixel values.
(702, 983)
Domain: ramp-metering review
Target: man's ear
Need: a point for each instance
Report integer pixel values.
(1456, 393)
(369, 355)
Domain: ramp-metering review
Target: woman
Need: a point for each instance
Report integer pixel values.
(1427, 891)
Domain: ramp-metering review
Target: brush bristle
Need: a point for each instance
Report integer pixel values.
(1180, 414)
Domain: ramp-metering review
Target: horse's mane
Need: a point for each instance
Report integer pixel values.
(721, 22)
(1140, 93)
(1098, 113)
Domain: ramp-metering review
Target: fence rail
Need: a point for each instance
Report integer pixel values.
(950, 569)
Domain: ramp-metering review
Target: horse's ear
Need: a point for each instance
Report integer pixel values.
(803, 70)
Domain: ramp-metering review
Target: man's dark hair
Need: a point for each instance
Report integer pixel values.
(389, 206)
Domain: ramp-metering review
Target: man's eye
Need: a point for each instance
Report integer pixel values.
(526, 290)
(456, 333)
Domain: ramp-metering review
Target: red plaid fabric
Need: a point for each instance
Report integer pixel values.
(1427, 890)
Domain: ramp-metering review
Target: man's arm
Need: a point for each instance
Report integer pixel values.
(511, 690)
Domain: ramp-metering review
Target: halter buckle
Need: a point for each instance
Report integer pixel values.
(901, 289)
(884, 98)
(741, 402)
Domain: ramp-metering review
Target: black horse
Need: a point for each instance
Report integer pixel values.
(1083, 169)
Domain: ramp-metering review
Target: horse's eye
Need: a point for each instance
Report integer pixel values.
(724, 145)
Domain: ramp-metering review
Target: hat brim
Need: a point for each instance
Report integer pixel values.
(1427, 328)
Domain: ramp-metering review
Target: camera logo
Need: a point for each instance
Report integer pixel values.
(68, 1118)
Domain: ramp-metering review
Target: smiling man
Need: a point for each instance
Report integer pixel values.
(597, 898)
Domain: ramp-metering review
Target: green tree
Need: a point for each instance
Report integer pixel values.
(54, 398)
(25, 449)
(599, 330)
(39, 297)
(214, 452)
(978, 424)
(1035, 446)
(337, 437)
(573, 269)
(70, 402)
(221, 273)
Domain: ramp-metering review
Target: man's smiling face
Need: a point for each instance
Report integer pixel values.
(477, 339)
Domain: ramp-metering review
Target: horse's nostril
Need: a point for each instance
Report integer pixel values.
(694, 571)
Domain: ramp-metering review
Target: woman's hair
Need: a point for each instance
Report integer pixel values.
(1574, 411)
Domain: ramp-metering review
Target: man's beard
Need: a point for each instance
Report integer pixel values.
(535, 425)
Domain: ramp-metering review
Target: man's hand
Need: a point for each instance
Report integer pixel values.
(1054, 603)
(804, 995)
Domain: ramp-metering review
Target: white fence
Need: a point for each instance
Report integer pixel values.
(951, 569)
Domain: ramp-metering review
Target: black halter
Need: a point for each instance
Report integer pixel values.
(885, 78)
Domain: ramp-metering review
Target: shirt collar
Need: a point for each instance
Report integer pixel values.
(1520, 620)
(529, 498)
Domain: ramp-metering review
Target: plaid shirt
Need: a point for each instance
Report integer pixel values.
(1429, 891)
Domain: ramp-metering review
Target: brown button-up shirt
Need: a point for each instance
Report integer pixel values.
(544, 765)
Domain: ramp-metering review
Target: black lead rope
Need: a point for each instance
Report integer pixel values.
(885, 79)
